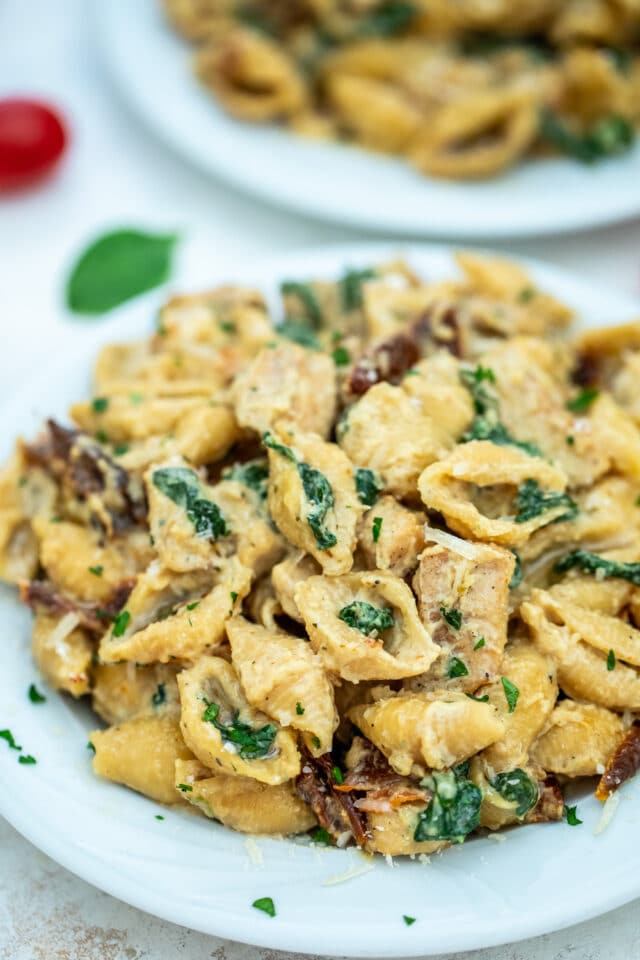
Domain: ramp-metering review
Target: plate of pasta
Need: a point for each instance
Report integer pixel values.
(465, 119)
(329, 570)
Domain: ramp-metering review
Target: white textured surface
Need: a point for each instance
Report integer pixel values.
(116, 174)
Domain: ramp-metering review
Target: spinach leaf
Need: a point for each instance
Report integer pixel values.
(518, 572)
(181, 485)
(351, 287)
(591, 563)
(272, 444)
(317, 490)
(482, 429)
(117, 267)
(368, 486)
(299, 333)
(486, 424)
(453, 810)
(366, 618)
(252, 743)
(517, 787)
(531, 501)
(486, 44)
(253, 474)
(609, 136)
(306, 295)
(388, 19)
(319, 493)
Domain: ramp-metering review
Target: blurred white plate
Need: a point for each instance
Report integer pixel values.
(199, 874)
(152, 68)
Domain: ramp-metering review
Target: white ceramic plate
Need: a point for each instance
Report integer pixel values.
(152, 68)
(201, 875)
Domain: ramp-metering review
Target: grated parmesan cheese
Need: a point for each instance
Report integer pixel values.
(253, 851)
(62, 630)
(462, 547)
(350, 874)
(608, 811)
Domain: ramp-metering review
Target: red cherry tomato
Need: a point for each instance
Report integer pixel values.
(32, 140)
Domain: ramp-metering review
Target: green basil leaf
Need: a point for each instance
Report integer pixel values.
(117, 267)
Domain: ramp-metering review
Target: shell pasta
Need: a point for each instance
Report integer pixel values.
(460, 90)
(368, 569)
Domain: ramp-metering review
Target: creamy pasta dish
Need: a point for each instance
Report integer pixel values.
(372, 571)
(461, 90)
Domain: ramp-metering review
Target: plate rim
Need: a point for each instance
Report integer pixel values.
(283, 934)
(107, 21)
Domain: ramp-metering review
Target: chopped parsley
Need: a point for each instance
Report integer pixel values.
(591, 563)
(453, 810)
(120, 623)
(136, 398)
(159, 816)
(511, 693)
(181, 485)
(408, 920)
(317, 490)
(337, 775)
(583, 400)
(99, 404)
(120, 449)
(368, 486)
(227, 326)
(90, 746)
(351, 287)
(102, 436)
(233, 595)
(484, 699)
(570, 441)
(611, 660)
(531, 501)
(316, 742)
(96, 571)
(341, 357)
(252, 743)
(369, 620)
(26, 759)
(8, 736)
(486, 424)
(320, 835)
(184, 787)
(299, 708)
(376, 527)
(517, 787)
(160, 696)
(265, 904)
(453, 617)
(35, 696)
(307, 298)
(254, 474)
(481, 642)
(609, 136)
(457, 668)
(571, 816)
(192, 606)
